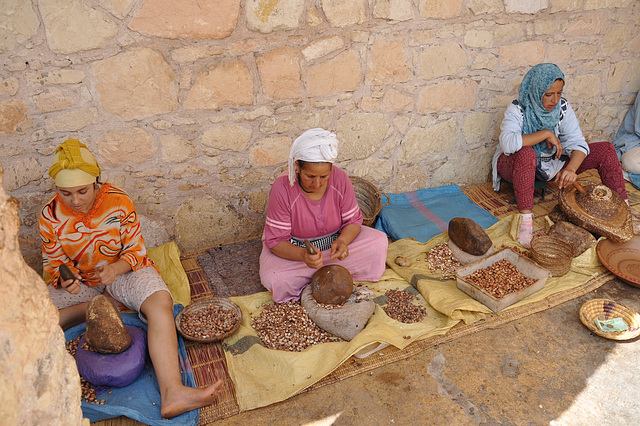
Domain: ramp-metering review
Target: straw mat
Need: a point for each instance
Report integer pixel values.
(208, 361)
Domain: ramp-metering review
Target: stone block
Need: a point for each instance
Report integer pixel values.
(269, 16)
(135, 84)
(525, 6)
(483, 7)
(389, 62)
(440, 9)
(478, 39)
(340, 74)
(422, 144)
(227, 83)
(448, 95)
(125, 146)
(193, 19)
(19, 22)
(61, 76)
(270, 151)
(71, 120)
(586, 25)
(280, 73)
(441, 60)
(322, 47)
(585, 86)
(393, 10)
(14, 117)
(525, 54)
(74, 26)
(227, 137)
(176, 149)
(223, 223)
(360, 134)
(342, 13)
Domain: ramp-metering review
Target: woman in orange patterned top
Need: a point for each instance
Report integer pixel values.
(94, 229)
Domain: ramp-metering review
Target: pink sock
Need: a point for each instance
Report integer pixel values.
(526, 230)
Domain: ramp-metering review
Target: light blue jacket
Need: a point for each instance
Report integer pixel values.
(629, 133)
(567, 130)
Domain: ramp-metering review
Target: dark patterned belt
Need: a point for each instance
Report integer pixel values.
(323, 243)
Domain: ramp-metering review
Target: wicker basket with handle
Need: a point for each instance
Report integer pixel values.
(368, 198)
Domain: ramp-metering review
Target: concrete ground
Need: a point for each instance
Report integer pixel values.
(546, 368)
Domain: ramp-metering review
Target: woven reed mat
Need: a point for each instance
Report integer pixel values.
(208, 361)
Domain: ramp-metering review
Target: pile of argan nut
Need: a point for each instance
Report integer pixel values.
(521, 252)
(500, 279)
(441, 257)
(287, 327)
(208, 322)
(401, 308)
(88, 392)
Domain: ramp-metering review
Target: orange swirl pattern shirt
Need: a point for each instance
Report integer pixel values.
(108, 232)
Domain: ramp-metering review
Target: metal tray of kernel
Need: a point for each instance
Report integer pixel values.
(526, 266)
(204, 304)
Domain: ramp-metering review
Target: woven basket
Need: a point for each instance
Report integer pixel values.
(608, 309)
(553, 254)
(368, 198)
(203, 304)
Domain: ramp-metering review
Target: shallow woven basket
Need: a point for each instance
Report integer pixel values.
(203, 304)
(368, 198)
(609, 309)
(553, 254)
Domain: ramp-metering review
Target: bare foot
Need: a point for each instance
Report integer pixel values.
(182, 399)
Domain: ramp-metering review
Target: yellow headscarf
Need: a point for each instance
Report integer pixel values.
(74, 165)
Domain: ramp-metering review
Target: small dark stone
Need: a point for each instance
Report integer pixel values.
(469, 236)
(332, 285)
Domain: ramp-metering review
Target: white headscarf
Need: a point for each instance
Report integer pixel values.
(315, 146)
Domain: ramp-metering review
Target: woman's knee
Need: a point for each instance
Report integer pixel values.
(526, 156)
(158, 300)
(631, 160)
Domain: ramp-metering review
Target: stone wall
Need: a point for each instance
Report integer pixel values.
(191, 106)
(39, 381)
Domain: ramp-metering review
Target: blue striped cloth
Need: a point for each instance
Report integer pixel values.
(425, 213)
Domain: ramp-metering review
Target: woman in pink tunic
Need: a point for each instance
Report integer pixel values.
(315, 200)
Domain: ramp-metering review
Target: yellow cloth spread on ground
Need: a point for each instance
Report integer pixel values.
(263, 376)
(167, 259)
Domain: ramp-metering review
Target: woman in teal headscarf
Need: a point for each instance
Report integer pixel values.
(540, 139)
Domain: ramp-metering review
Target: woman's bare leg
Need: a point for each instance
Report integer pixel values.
(163, 349)
(73, 315)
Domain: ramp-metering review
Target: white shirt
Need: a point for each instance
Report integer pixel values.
(567, 130)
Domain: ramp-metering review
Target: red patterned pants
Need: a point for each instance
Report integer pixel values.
(520, 169)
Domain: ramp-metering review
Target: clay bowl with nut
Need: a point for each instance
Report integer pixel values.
(209, 320)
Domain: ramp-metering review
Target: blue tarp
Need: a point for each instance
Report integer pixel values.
(635, 180)
(137, 400)
(425, 213)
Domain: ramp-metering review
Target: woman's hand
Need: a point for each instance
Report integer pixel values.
(543, 136)
(339, 250)
(314, 261)
(552, 140)
(565, 178)
(72, 286)
(107, 273)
